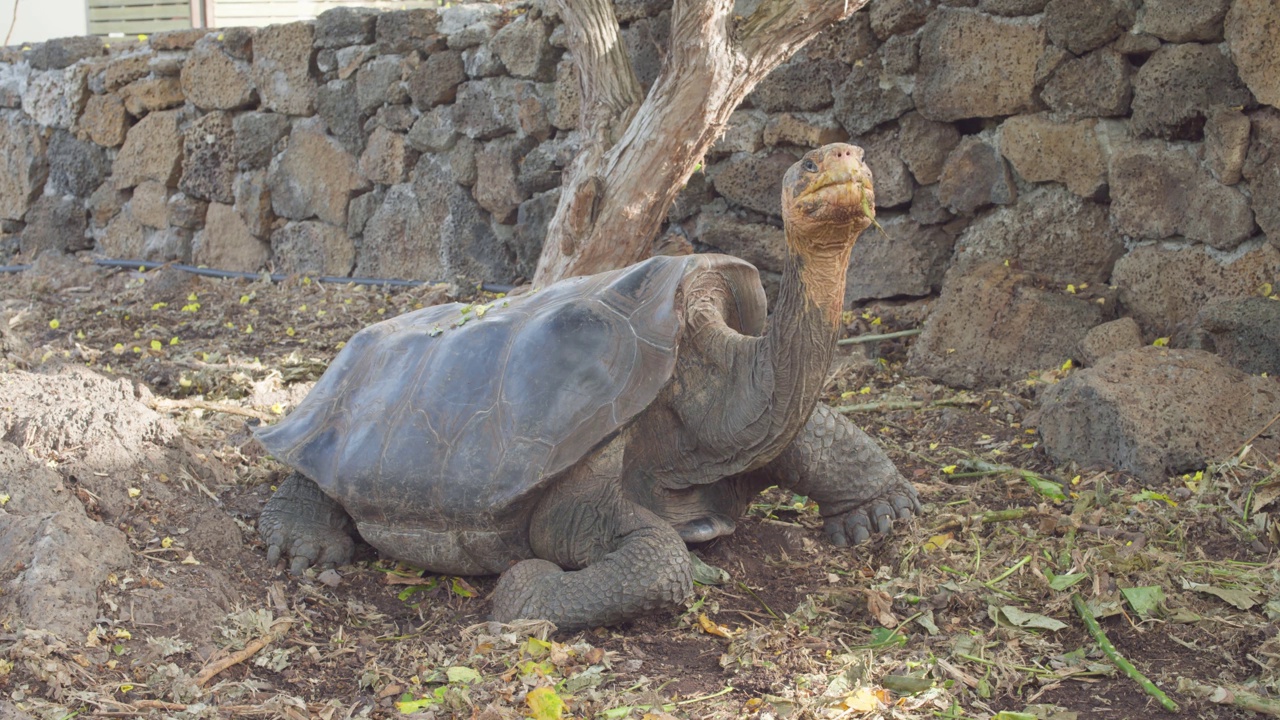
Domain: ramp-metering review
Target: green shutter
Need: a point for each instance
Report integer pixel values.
(134, 17)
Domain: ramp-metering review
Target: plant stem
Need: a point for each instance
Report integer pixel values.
(876, 338)
(904, 405)
(1103, 642)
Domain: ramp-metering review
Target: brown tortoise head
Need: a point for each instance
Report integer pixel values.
(827, 198)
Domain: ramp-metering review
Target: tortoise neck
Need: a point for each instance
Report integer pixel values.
(801, 339)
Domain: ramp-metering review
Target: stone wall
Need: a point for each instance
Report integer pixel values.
(1127, 149)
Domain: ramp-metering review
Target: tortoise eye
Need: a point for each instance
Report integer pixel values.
(809, 166)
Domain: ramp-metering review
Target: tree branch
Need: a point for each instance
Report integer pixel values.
(778, 28)
(610, 90)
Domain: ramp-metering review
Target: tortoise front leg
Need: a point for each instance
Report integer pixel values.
(622, 560)
(856, 486)
(306, 526)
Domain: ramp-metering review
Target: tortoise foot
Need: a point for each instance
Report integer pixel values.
(305, 526)
(855, 525)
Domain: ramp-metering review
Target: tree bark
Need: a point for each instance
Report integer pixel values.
(638, 154)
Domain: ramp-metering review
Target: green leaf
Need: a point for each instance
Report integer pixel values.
(544, 704)
(1010, 715)
(409, 591)
(885, 636)
(1237, 597)
(463, 675)
(1062, 582)
(1150, 495)
(408, 705)
(461, 588)
(533, 647)
(1047, 488)
(1010, 616)
(1145, 601)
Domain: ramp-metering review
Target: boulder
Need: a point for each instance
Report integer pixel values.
(377, 82)
(104, 204)
(24, 165)
(868, 98)
(282, 68)
(149, 204)
(891, 17)
(1253, 34)
(993, 325)
(104, 121)
(893, 184)
(314, 177)
(387, 159)
(257, 137)
(900, 55)
(1182, 21)
(313, 248)
(1178, 86)
(124, 69)
(486, 109)
(123, 237)
(1158, 191)
(434, 131)
(1243, 331)
(926, 209)
(176, 39)
(213, 80)
(150, 94)
(1154, 412)
(13, 84)
(1097, 85)
(362, 208)
(55, 98)
(1052, 233)
(974, 177)
(1045, 150)
(646, 41)
(801, 84)
(523, 48)
(209, 158)
(1108, 339)
(925, 145)
(1012, 8)
(402, 239)
(186, 212)
(343, 26)
(759, 244)
(975, 65)
(754, 182)
(1084, 25)
(848, 41)
(566, 96)
(806, 130)
(1163, 287)
(226, 243)
(531, 229)
(404, 31)
(337, 106)
(903, 259)
(436, 80)
(1226, 145)
(1262, 169)
(76, 167)
(743, 133)
(497, 186)
(482, 62)
(152, 151)
(55, 223)
(253, 202)
(64, 52)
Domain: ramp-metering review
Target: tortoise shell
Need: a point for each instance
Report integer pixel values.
(459, 413)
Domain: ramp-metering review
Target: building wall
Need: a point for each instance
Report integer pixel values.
(40, 20)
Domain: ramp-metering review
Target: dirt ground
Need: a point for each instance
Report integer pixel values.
(964, 613)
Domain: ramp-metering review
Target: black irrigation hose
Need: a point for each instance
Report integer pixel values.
(234, 274)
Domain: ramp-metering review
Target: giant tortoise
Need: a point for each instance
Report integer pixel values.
(573, 439)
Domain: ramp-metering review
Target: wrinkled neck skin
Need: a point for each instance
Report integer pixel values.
(801, 338)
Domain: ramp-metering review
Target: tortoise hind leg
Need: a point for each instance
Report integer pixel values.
(623, 559)
(302, 523)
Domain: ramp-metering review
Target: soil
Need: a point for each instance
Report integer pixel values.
(134, 584)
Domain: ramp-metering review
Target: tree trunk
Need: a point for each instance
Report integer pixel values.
(637, 155)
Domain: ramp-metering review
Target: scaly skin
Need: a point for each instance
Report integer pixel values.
(304, 524)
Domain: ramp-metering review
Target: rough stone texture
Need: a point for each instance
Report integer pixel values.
(122, 70)
(362, 208)
(900, 54)
(975, 176)
(807, 130)
(76, 167)
(759, 244)
(123, 237)
(1243, 331)
(253, 202)
(800, 84)
(402, 239)
(1012, 8)
(377, 80)
(152, 94)
(152, 151)
(743, 133)
(343, 26)
(1253, 34)
(1051, 233)
(481, 62)
(893, 184)
(1262, 170)
(646, 41)
(1162, 287)
(13, 84)
(1181, 21)
(753, 182)
(1097, 85)
(567, 96)
(462, 161)
(522, 46)
(257, 137)
(926, 145)
(1179, 85)
(867, 99)
(386, 159)
(149, 204)
(57, 223)
(497, 187)
(314, 177)
(974, 65)
(281, 68)
(993, 325)
(1044, 150)
(1159, 192)
(1154, 412)
(104, 121)
(531, 228)
(226, 243)
(55, 98)
(64, 52)
(906, 259)
(186, 212)
(313, 248)
(891, 17)
(209, 158)
(1109, 338)
(436, 80)
(926, 209)
(848, 42)
(434, 131)
(488, 108)
(1226, 144)
(540, 169)
(1084, 25)
(104, 204)
(213, 80)
(405, 31)
(23, 164)
(336, 104)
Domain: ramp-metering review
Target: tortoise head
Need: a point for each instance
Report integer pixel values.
(827, 198)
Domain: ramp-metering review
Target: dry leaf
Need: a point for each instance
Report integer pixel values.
(710, 627)
(880, 605)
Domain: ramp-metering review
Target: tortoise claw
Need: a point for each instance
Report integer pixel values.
(857, 525)
(305, 526)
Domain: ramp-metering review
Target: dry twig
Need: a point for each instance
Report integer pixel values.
(169, 405)
(278, 629)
